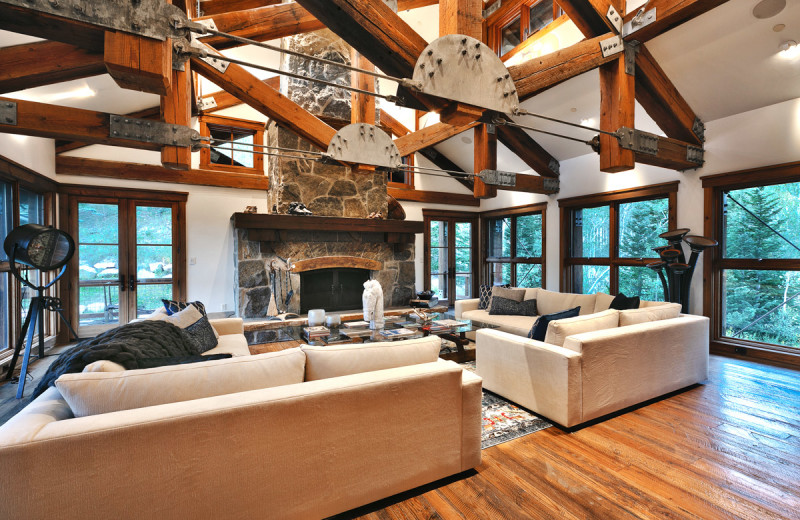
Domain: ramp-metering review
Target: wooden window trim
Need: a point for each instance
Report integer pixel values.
(612, 199)
(256, 127)
(449, 215)
(515, 211)
(714, 264)
(506, 14)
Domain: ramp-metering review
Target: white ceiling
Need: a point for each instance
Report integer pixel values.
(724, 62)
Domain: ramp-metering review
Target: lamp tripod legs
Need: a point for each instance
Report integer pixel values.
(33, 311)
(21, 341)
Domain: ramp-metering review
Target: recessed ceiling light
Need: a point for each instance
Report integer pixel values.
(779, 27)
(573, 109)
(789, 49)
(466, 140)
(768, 8)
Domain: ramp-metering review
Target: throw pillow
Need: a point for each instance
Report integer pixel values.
(195, 325)
(510, 307)
(173, 306)
(559, 330)
(95, 393)
(485, 294)
(505, 292)
(622, 302)
(539, 329)
(166, 361)
(664, 311)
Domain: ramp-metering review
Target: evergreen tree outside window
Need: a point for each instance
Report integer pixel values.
(514, 248)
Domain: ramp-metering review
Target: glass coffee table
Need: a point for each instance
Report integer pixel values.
(396, 328)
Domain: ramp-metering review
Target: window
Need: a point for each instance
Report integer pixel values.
(508, 28)
(609, 240)
(514, 241)
(754, 290)
(233, 150)
(450, 254)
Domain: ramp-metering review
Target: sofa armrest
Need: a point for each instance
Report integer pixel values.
(225, 326)
(217, 453)
(465, 305)
(541, 377)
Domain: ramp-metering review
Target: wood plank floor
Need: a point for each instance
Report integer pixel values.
(726, 449)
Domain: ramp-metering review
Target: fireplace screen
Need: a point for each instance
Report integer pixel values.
(332, 289)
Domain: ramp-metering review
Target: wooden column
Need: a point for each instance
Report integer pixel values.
(485, 159)
(461, 17)
(176, 109)
(138, 63)
(363, 105)
(617, 95)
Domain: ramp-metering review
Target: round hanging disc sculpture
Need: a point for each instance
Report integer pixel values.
(674, 271)
(46, 249)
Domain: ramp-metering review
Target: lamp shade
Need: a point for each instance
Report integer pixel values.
(41, 247)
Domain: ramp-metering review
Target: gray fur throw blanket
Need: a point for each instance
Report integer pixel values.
(124, 345)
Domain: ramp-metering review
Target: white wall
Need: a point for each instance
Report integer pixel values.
(35, 153)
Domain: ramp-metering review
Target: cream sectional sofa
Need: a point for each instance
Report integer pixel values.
(231, 337)
(594, 364)
(355, 424)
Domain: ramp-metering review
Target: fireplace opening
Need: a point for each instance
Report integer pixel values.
(332, 289)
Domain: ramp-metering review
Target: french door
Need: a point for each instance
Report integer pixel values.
(450, 254)
(129, 256)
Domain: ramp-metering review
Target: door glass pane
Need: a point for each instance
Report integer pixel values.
(98, 264)
(153, 262)
(463, 260)
(589, 279)
(4, 338)
(500, 273)
(590, 227)
(641, 282)
(761, 222)
(6, 215)
(640, 223)
(153, 225)
(510, 36)
(31, 207)
(499, 238)
(463, 286)
(149, 296)
(439, 258)
(541, 15)
(529, 275)
(529, 236)
(153, 257)
(761, 306)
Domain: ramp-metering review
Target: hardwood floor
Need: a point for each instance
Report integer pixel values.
(726, 449)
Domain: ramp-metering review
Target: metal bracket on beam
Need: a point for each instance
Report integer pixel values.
(220, 65)
(699, 129)
(180, 46)
(630, 58)
(8, 113)
(209, 23)
(695, 154)
(641, 19)
(206, 103)
(498, 178)
(551, 185)
(615, 18)
(638, 141)
(554, 166)
(150, 18)
(611, 46)
(149, 131)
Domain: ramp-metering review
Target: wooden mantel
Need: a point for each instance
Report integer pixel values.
(329, 262)
(265, 221)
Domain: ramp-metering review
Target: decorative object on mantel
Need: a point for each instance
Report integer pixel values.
(375, 215)
(395, 211)
(333, 320)
(298, 208)
(251, 209)
(372, 299)
(316, 317)
(673, 269)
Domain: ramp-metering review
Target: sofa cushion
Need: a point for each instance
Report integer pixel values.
(539, 329)
(103, 392)
(505, 292)
(622, 302)
(519, 325)
(549, 302)
(510, 307)
(602, 302)
(530, 293)
(485, 295)
(195, 324)
(233, 344)
(558, 330)
(654, 313)
(104, 365)
(334, 361)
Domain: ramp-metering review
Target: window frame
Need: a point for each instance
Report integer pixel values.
(613, 199)
(506, 14)
(451, 217)
(208, 122)
(714, 264)
(513, 260)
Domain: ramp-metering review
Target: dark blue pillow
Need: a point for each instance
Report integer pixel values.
(539, 330)
(173, 306)
(623, 303)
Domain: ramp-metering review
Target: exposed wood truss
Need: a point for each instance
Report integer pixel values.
(671, 13)
(139, 63)
(44, 63)
(211, 7)
(148, 113)
(429, 136)
(434, 197)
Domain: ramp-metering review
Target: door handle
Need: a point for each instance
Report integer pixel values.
(122, 283)
(132, 283)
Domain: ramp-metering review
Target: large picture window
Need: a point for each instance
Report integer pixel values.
(514, 251)
(755, 289)
(609, 240)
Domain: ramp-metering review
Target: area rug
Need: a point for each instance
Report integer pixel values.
(503, 420)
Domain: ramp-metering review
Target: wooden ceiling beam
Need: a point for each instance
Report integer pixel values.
(222, 100)
(528, 150)
(539, 74)
(434, 197)
(362, 106)
(617, 105)
(212, 7)
(42, 25)
(153, 113)
(672, 154)
(590, 15)
(484, 158)
(176, 109)
(44, 63)
(139, 63)
(429, 136)
(268, 101)
(662, 101)
(669, 14)
(74, 124)
(530, 184)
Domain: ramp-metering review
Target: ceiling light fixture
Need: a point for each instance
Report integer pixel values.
(789, 49)
(768, 8)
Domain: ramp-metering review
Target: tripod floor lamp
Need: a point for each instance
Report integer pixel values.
(46, 249)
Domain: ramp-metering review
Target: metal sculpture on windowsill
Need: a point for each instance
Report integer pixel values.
(673, 270)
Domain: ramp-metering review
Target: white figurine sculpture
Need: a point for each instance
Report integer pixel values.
(372, 299)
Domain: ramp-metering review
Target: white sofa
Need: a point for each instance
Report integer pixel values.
(349, 432)
(231, 337)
